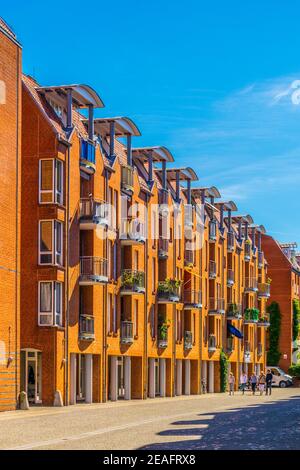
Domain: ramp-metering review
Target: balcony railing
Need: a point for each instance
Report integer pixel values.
(230, 277)
(93, 270)
(216, 306)
(250, 284)
(259, 349)
(168, 291)
(247, 250)
(87, 157)
(234, 311)
(132, 232)
(263, 290)
(212, 270)
(192, 299)
(132, 281)
(212, 343)
(163, 248)
(127, 179)
(188, 257)
(230, 344)
(212, 230)
(260, 259)
(251, 315)
(162, 337)
(188, 340)
(126, 332)
(263, 321)
(247, 346)
(92, 213)
(86, 327)
(230, 242)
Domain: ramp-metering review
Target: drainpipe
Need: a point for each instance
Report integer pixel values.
(91, 122)
(129, 150)
(221, 216)
(145, 385)
(104, 304)
(240, 230)
(164, 175)
(229, 220)
(150, 168)
(189, 192)
(177, 186)
(112, 140)
(67, 280)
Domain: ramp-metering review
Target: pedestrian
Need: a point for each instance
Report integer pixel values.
(262, 383)
(231, 381)
(253, 382)
(269, 380)
(243, 382)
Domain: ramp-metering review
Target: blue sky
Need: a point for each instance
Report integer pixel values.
(216, 82)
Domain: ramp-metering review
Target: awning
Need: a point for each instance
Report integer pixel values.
(234, 331)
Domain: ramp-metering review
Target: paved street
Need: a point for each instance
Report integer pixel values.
(182, 423)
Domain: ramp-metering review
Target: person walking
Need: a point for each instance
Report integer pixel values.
(231, 382)
(243, 382)
(253, 382)
(269, 380)
(261, 383)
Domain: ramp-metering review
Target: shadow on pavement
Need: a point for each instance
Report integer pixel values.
(266, 426)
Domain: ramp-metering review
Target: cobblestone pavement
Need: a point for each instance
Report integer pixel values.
(182, 423)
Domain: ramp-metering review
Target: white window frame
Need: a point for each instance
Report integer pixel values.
(55, 255)
(53, 313)
(57, 194)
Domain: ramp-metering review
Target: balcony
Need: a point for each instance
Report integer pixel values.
(260, 259)
(93, 270)
(250, 284)
(216, 306)
(126, 336)
(132, 232)
(263, 290)
(163, 248)
(188, 340)
(263, 321)
(259, 349)
(188, 257)
(212, 270)
(212, 230)
(86, 328)
(127, 178)
(162, 337)
(168, 291)
(92, 214)
(212, 343)
(234, 311)
(230, 277)
(230, 242)
(87, 157)
(230, 344)
(247, 250)
(132, 282)
(192, 299)
(251, 315)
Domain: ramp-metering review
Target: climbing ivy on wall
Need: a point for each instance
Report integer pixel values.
(274, 334)
(296, 319)
(223, 370)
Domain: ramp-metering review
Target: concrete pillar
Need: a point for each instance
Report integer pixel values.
(178, 376)
(187, 377)
(211, 370)
(73, 360)
(114, 378)
(162, 377)
(152, 377)
(127, 377)
(89, 378)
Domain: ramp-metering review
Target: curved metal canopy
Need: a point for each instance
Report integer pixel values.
(159, 154)
(227, 206)
(185, 173)
(123, 126)
(83, 95)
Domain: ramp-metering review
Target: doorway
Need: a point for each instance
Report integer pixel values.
(31, 375)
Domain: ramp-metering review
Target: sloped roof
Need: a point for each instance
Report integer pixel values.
(6, 28)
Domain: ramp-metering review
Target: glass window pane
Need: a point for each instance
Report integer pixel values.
(46, 236)
(46, 175)
(45, 297)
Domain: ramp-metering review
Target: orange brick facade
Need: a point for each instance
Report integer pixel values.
(10, 155)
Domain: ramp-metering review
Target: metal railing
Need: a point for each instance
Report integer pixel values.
(230, 241)
(126, 332)
(251, 315)
(247, 250)
(212, 230)
(127, 179)
(86, 327)
(162, 338)
(189, 256)
(216, 306)
(212, 342)
(92, 267)
(134, 230)
(91, 208)
(234, 311)
(188, 340)
(192, 298)
(167, 291)
(260, 259)
(230, 277)
(163, 247)
(212, 269)
(263, 289)
(132, 280)
(250, 284)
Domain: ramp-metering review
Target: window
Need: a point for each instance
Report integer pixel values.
(50, 242)
(50, 303)
(51, 181)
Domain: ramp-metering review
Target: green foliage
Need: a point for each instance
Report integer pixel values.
(251, 314)
(296, 319)
(294, 370)
(223, 371)
(163, 326)
(169, 285)
(275, 326)
(132, 278)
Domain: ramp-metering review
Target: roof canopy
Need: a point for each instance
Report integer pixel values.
(227, 206)
(243, 218)
(123, 126)
(185, 174)
(258, 228)
(159, 154)
(208, 192)
(291, 245)
(83, 95)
